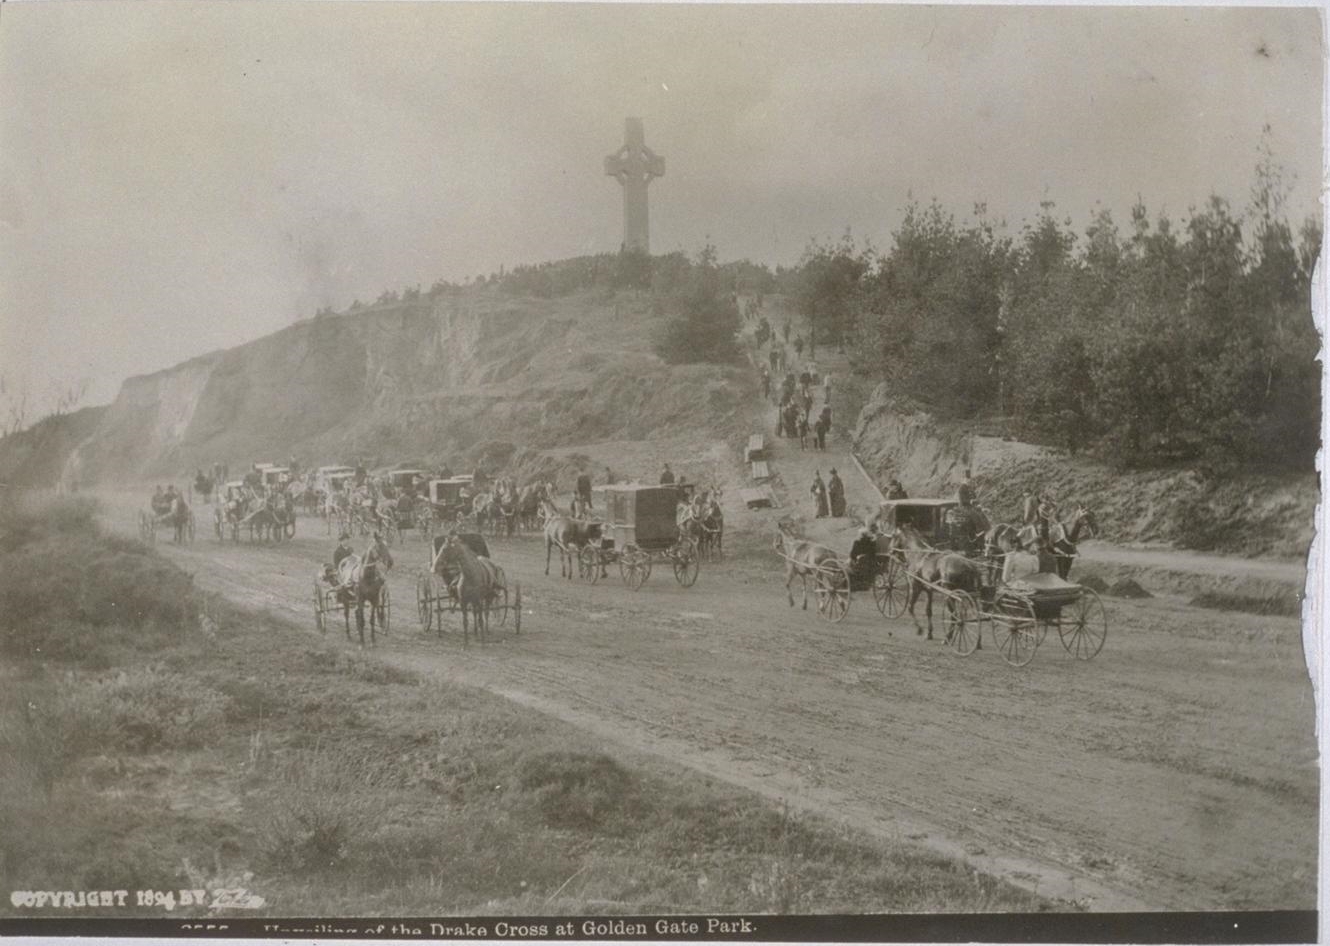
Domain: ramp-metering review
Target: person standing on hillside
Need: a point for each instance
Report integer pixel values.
(819, 491)
(584, 490)
(836, 494)
(766, 384)
(667, 476)
(610, 478)
(820, 429)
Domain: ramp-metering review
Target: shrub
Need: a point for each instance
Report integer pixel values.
(577, 790)
(325, 804)
(141, 709)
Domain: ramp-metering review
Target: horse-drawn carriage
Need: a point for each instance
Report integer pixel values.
(269, 515)
(462, 577)
(352, 584)
(449, 503)
(927, 553)
(643, 524)
(169, 510)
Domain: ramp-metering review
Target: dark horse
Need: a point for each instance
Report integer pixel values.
(569, 535)
(928, 568)
(180, 516)
(479, 583)
(361, 581)
(1062, 538)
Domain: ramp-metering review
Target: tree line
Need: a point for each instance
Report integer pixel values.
(1152, 344)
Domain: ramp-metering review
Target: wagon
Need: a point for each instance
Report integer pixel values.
(332, 599)
(449, 501)
(226, 517)
(641, 528)
(1017, 614)
(436, 588)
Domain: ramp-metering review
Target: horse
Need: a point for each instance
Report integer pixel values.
(180, 516)
(360, 580)
(569, 535)
(927, 568)
(712, 522)
(528, 505)
(1062, 538)
(802, 558)
(479, 583)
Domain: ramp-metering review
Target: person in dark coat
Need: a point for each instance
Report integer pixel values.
(766, 384)
(820, 428)
(803, 433)
(584, 489)
(836, 494)
(667, 477)
(896, 491)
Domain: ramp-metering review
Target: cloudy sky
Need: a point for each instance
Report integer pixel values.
(179, 177)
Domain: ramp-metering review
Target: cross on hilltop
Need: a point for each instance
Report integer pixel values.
(635, 165)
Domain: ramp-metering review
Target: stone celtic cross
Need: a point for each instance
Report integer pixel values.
(634, 165)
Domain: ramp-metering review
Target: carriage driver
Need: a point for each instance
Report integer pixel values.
(967, 521)
(863, 556)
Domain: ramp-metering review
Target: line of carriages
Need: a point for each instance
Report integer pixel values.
(1016, 614)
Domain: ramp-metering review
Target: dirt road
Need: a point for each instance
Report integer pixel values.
(1177, 770)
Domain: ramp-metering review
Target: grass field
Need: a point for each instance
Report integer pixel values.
(183, 743)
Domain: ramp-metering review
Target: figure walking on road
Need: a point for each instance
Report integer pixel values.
(819, 491)
(836, 494)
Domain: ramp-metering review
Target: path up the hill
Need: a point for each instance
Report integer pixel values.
(793, 466)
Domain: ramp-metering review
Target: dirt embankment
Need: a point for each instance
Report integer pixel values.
(1250, 513)
(433, 380)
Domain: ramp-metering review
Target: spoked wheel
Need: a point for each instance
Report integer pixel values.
(962, 623)
(498, 609)
(1015, 630)
(833, 593)
(634, 567)
(425, 601)
(320, 618)
(1085, 628)
(588, 563)
(290, 527)
(891, 589)
(686, 563)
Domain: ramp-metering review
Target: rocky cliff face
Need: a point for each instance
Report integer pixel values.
(1251, 513)
(425, 380)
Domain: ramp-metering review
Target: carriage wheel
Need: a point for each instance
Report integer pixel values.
(833, 593)
(1084, 632)
(320, 618)
(425, 600)
(517, 607)
(499, 609)
(1015, 630)
(686, 563)
(891, 589)
(634, 567)
(290, 528)
(962, 623)
(385, 608)
(589, 564)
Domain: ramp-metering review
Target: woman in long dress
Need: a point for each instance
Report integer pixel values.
(819, 491)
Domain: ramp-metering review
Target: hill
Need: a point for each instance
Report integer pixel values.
(476, 371)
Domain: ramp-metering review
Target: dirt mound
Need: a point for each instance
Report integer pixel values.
(1128, 588)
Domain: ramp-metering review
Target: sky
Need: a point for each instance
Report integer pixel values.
(178, 177)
